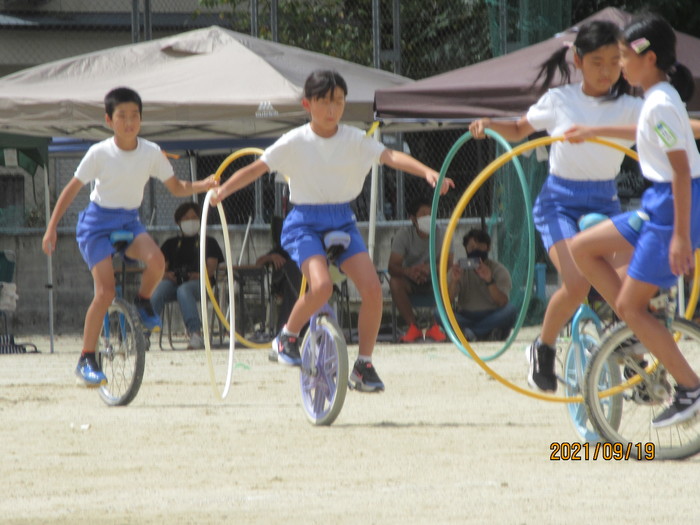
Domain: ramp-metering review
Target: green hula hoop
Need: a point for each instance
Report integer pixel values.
(449, 328)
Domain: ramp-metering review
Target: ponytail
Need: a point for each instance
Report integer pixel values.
(556, 62)
(682, 79)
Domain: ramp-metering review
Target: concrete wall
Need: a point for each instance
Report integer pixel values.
(73, 289)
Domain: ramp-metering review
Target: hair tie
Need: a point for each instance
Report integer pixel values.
(639, 45)
(672, 70)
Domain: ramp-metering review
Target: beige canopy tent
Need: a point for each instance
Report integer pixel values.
(202, 84)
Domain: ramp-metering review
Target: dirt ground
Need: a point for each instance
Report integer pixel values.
(443, 444)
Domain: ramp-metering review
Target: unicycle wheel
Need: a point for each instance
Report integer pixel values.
(121, 354)
(324, 371)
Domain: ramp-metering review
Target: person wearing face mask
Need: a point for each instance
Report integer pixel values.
(409, 268)
(181, 279)
(479, 288)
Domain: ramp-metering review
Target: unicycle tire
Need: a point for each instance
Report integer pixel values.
(121, 354)
(634, 406)
(574, 366)
(324, 372)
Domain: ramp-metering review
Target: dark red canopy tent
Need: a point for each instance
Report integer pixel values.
(502, 86)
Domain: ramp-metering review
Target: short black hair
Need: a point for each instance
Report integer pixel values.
(323, 81)
(415, 204)
(183, 208)
(479, 236)
(121, 95)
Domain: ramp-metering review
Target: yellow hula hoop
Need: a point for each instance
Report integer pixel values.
(215, 304)
(478, 181)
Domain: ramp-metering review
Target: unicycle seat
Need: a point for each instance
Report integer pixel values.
(336, 242)
(120, 239)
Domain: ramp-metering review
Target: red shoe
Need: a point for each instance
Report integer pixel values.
(411, 334)
(436, 334)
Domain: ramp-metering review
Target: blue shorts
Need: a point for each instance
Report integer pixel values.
(96, 223)
(562, 202)
(304, 227)
(652, 238)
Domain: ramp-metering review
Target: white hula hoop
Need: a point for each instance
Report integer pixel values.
(203, 281)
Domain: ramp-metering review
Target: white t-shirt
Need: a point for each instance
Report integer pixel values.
(323, 170)
(562, 107)
(663, 127)
(120, 176)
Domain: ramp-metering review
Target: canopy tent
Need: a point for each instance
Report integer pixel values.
(202, 84)
(502, 86)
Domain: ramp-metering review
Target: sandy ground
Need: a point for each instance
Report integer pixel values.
(443, 444)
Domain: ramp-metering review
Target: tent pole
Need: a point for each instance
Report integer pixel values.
(49, 285)
(371, 234)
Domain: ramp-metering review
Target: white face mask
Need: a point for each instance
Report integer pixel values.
(190, 227)
(424, 223)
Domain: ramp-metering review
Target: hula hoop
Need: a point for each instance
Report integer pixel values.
(205, 287)
(461, 205)
(451, 331)
(222, 317)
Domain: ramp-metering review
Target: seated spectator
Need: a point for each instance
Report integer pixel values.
(286, 276)
(409, 268)
(480, 287)
(181, 279)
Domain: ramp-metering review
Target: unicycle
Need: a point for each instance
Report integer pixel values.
(121, 352)
(323, 377)
(586, 333)
(641, 389)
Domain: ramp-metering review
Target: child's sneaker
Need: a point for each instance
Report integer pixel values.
(411, 334)
(685, 404)
(364, 378)
(542, 360)
(436, 334)
(287, 347)
(150, 320)
(88, 371)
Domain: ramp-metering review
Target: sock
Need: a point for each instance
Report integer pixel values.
(364, 358)
(84, 352)
(285, 331)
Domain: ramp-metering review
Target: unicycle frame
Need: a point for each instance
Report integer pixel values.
(123, 384)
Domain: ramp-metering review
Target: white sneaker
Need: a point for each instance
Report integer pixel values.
(196, 342)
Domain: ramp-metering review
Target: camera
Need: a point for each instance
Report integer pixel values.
(469, 263)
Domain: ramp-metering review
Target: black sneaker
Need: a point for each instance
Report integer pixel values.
(542, 359)
(287, 347)
(685, 404)
(364, 378)
(640, 392)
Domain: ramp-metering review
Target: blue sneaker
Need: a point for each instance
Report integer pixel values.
(149, 318)
(88, 371)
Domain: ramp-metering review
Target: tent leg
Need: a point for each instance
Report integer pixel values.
(49, 262)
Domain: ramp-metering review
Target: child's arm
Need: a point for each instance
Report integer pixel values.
(403, 162)
(578, 134)
(511, 130)
(185, 188)
(680, 253)
(70, 190)
(240, 179)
